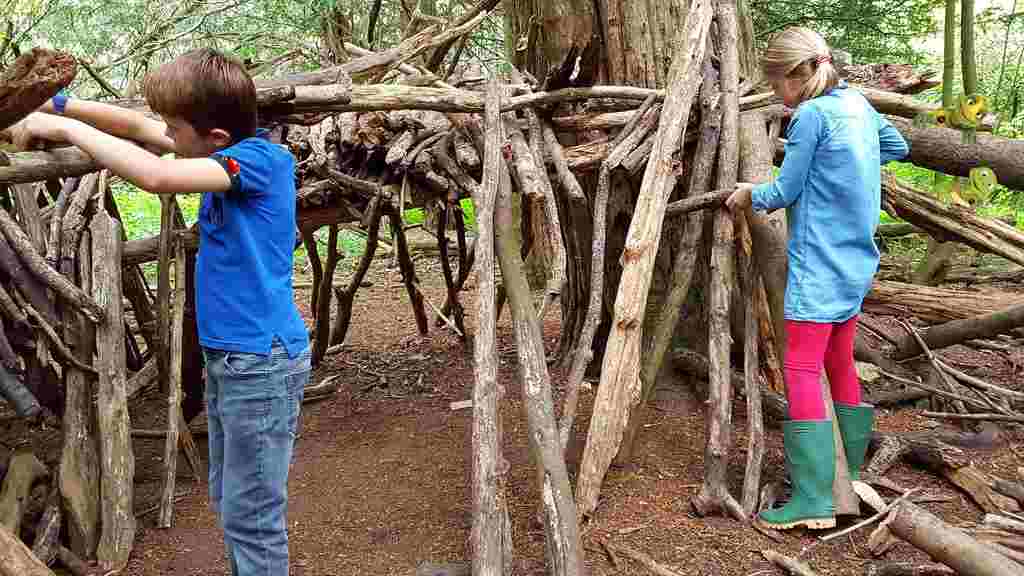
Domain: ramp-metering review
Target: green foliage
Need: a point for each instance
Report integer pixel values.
(871, 31)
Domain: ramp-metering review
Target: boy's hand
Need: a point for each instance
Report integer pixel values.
(740, 198)
(36, 129)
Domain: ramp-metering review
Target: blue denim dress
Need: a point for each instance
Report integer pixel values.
(830, 185)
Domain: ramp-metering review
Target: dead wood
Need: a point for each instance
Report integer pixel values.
(35, 77)
(619, 388)
(322, 320)
(704, 201)
(1003, 523)
(953, 222)
(934, 305)
(564, 549)
(16, 559)
(696, 364)
(23, 246)
(79, 476)
(958, 331)
(791, 565)
(23, 471)
(1007, 488)
(653, 566)
(583, 353)
(408, 269)
(58, 345)
(74, 563)
(23, 281)
(490, 535)
(47, 533)
(117, 460)
(988, 417)
(946, 544)
(346, 296)
(755, 417)
(908, 569)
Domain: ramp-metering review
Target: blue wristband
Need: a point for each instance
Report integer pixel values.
(59, 102)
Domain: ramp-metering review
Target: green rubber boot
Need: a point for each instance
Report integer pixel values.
(855, 424)
(810, 460)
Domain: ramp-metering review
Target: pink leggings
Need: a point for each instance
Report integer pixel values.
(809, 345)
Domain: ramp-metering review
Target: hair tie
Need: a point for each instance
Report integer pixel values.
(823, 58)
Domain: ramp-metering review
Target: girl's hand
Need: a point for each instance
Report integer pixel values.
(740, 198)
(36, 129)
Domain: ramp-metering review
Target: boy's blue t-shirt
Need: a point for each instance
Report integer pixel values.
(243, 283)
(830, 185)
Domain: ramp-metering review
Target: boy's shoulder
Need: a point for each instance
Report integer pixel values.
(256, 165)
(258, 148)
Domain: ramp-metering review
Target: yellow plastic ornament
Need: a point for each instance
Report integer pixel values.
(982, 182)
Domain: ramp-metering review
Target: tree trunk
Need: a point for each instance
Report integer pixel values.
(619, 388)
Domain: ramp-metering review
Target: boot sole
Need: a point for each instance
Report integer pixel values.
(810, 523)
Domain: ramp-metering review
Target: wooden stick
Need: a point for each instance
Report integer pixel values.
(583, 353)
(117, 460)
(565, 551)
(490, 536)
(791, 565)
(709, 201)
(38, 266)
(58, 345)
(957, 403)
(870, 520)
(620, 373)
(987, 417)
(653, 566)
(173, 391)
(15, 557)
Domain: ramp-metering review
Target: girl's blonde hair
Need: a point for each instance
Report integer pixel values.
(801, 53)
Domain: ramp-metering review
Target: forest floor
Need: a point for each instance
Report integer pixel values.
(380, 481)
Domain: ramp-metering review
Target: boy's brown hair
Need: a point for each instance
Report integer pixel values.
(207, 89)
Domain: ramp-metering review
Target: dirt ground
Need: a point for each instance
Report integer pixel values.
(380, 479)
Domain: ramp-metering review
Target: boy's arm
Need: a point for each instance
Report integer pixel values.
(140, 167)
(121, 122)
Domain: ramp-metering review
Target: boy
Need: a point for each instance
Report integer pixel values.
(254, 341)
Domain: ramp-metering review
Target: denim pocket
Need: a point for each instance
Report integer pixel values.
(245, 364)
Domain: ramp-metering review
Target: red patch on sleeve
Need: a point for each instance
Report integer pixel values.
(233, 167)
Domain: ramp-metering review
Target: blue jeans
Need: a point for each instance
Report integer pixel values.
(253, 403)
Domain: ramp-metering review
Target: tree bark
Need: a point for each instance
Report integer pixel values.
(35, 77)
(619, 388)
(935, 305)
(564, 549)
(957, 331)
(946, 544)
(490, 536)
(79, 477)
(117, 460)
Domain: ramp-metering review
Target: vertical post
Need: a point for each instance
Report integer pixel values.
(174, 418)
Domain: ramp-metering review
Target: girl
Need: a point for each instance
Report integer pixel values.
(829, 184)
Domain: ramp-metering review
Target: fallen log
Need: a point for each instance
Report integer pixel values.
(35, 77)
(934, 305)
(946, 544)
(952, 222)
(957, 331)
(23, 470)
(942, 149)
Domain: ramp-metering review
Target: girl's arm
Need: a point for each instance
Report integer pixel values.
(801, 141)
(121, 122)
(891, 144)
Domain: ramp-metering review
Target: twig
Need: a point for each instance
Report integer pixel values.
(788, 564)
(647, 561)
(927, 388)
(62, 350)
(989, 417)
(874, 518)
(447, 320)
(959, 403)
